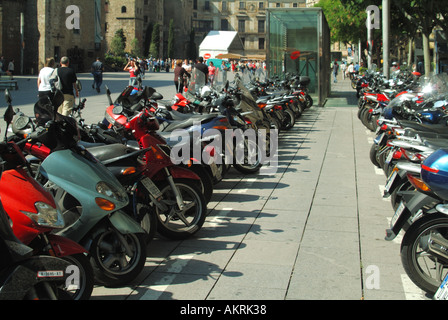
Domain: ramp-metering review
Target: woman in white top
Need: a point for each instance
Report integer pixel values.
(43, 81)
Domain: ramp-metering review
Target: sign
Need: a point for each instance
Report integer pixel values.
(207, 55)
(295, 54)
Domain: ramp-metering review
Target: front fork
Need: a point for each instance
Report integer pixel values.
(179, 200)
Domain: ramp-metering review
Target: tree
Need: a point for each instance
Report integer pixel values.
(118, 43)
(135, 48)
(154, 48)
(171, 40)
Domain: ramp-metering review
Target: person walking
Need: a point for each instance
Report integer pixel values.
(97, 72)
(335, 70)
(224, 70)
(68, 80)
(11, 69)
(180, 74)
(43, 80)
(211, 73)
(343, 68)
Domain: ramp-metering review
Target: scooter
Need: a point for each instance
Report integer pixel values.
(90, 197)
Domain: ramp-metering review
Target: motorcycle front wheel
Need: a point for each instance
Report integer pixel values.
(82, 290)
(426, 269)
(181, 223)
(117, 258)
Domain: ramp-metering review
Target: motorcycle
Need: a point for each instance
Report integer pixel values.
(89, 196)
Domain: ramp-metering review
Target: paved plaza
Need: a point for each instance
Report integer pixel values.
(313, 230)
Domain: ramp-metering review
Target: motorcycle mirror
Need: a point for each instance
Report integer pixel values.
(9, 114)
(8, 96)
(79, 85)
(108, 95)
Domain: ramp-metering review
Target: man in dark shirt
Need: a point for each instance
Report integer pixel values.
(97, 72)
(68, 80)
(203, 67)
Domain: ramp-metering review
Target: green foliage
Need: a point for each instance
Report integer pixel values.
(171, 40)
(136, 48)
(118, 43)
(154, 48)
(115, 61)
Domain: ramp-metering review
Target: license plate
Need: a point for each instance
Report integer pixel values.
(379, 139)
(391, 179)
(442, 292)
(397, 214)
(215, 170)
(151, 187)
(389, 156)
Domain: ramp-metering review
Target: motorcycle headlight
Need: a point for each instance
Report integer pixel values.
(109, 191)
(46, 215)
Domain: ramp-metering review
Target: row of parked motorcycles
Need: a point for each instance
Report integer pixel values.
(81, 203)
(408, 115)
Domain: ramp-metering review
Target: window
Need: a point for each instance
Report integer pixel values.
(123, 9)
(224, 6)
(261, 24)
(241, 25)
(207, 5)
(195, 4)
(294, 5)
(224, 25)
(242, 5)
(261, 43)
(277, 4)
(260, 5)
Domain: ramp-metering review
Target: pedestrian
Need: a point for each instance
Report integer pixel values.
(335, 70)
(11, 69)
(186, 66)
(350, 70)
(224, 69)
(211, 73)
(68, 80)
(180, 75)
(343, 68)
(97, 72)
(202, 67)
(132, 69)
(43, 80)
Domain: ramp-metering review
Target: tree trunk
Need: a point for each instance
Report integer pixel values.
(426, 55)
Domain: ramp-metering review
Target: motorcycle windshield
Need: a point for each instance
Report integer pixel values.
(247, 104)
(196, 84)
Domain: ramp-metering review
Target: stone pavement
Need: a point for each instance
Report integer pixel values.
(313, 230)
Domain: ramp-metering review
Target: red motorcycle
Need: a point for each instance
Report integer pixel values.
(174, 190)
(34, 217)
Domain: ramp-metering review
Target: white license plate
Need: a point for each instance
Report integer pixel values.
(389, 156)
(397, 213)
(390, 180)
(151, 187)
(442, 292)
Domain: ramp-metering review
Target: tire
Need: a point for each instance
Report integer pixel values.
(113, 266)
(206, 181)
(169, 224)
(372, 154)
(248, 168)
(290, 120)
(419, 264)
(86, 277)
(308, 101)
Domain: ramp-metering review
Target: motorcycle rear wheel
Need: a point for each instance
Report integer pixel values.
(426, 270)
(289, 121)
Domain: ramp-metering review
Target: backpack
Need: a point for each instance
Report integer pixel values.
(55, 81)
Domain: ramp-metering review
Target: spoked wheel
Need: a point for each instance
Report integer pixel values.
(247, 157)
(117, 258)
(180, 223)
(423, 253)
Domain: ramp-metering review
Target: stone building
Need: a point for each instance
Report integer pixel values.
(33, 30)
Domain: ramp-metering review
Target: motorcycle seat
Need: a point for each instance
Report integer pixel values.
(183, 124)
(437, 128)
(436, 143)
(109, 151)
